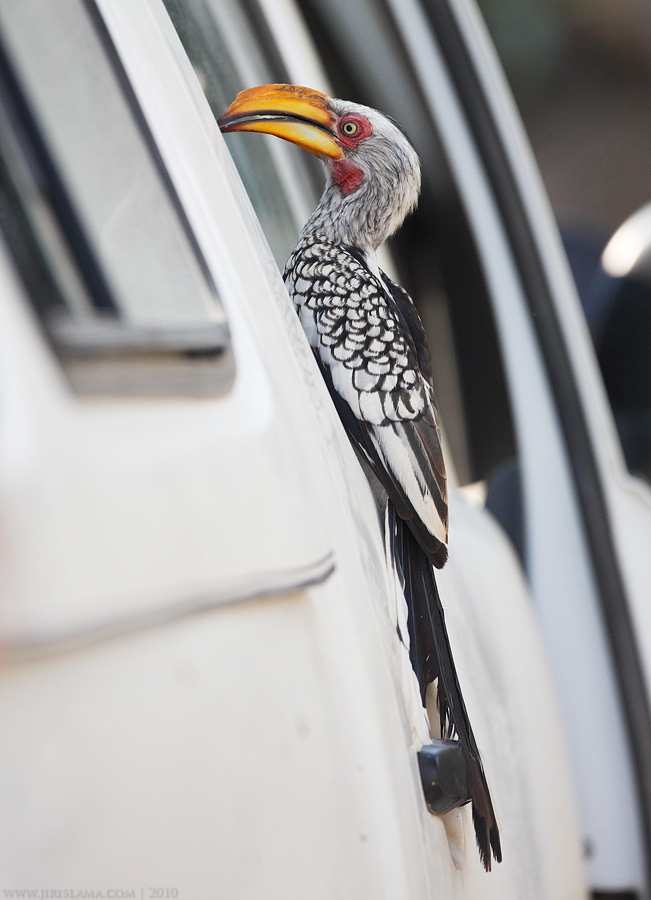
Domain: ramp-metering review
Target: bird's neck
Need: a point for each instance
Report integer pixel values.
(363, 219)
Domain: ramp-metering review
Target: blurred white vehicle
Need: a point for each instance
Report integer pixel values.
(201, 691)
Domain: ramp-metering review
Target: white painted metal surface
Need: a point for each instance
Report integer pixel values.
(578, 650)
(260, 748)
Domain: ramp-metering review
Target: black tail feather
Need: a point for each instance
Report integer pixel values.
(431, 657)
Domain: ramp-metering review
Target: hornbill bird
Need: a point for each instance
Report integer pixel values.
(371, 348)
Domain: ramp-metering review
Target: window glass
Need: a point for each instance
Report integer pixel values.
(94, 192)
(229, 55)
(434, 250)
(436, 255)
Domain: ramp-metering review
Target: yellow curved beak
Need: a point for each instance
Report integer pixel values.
(294, 113)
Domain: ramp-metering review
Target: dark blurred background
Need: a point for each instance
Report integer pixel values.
(580, 71)
(581, 74)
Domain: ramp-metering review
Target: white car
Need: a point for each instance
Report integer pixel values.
(201, 691)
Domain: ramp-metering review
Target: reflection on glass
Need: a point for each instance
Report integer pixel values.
(102, 159)
(228, 58)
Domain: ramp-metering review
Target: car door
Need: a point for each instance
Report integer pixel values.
(201, 675)
(284, 35)
(534, 429)
(169, 677)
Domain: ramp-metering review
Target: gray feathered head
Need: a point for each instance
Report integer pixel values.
(373, 169)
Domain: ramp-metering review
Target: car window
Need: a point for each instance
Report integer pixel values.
(84, 188)
(224, 42)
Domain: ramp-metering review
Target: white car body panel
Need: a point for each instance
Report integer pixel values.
(579, 651)
(196, 700)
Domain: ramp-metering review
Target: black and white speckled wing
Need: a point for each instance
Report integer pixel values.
(364, 342)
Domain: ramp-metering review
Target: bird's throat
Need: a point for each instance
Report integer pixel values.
(346, 176)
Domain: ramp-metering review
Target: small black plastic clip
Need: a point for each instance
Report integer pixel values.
(443, 775)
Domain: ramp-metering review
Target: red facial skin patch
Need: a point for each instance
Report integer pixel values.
(346, 175)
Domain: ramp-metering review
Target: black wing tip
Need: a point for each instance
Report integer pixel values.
(434, 549)
(440, 556)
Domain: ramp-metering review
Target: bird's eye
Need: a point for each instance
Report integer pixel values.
(350, 129)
